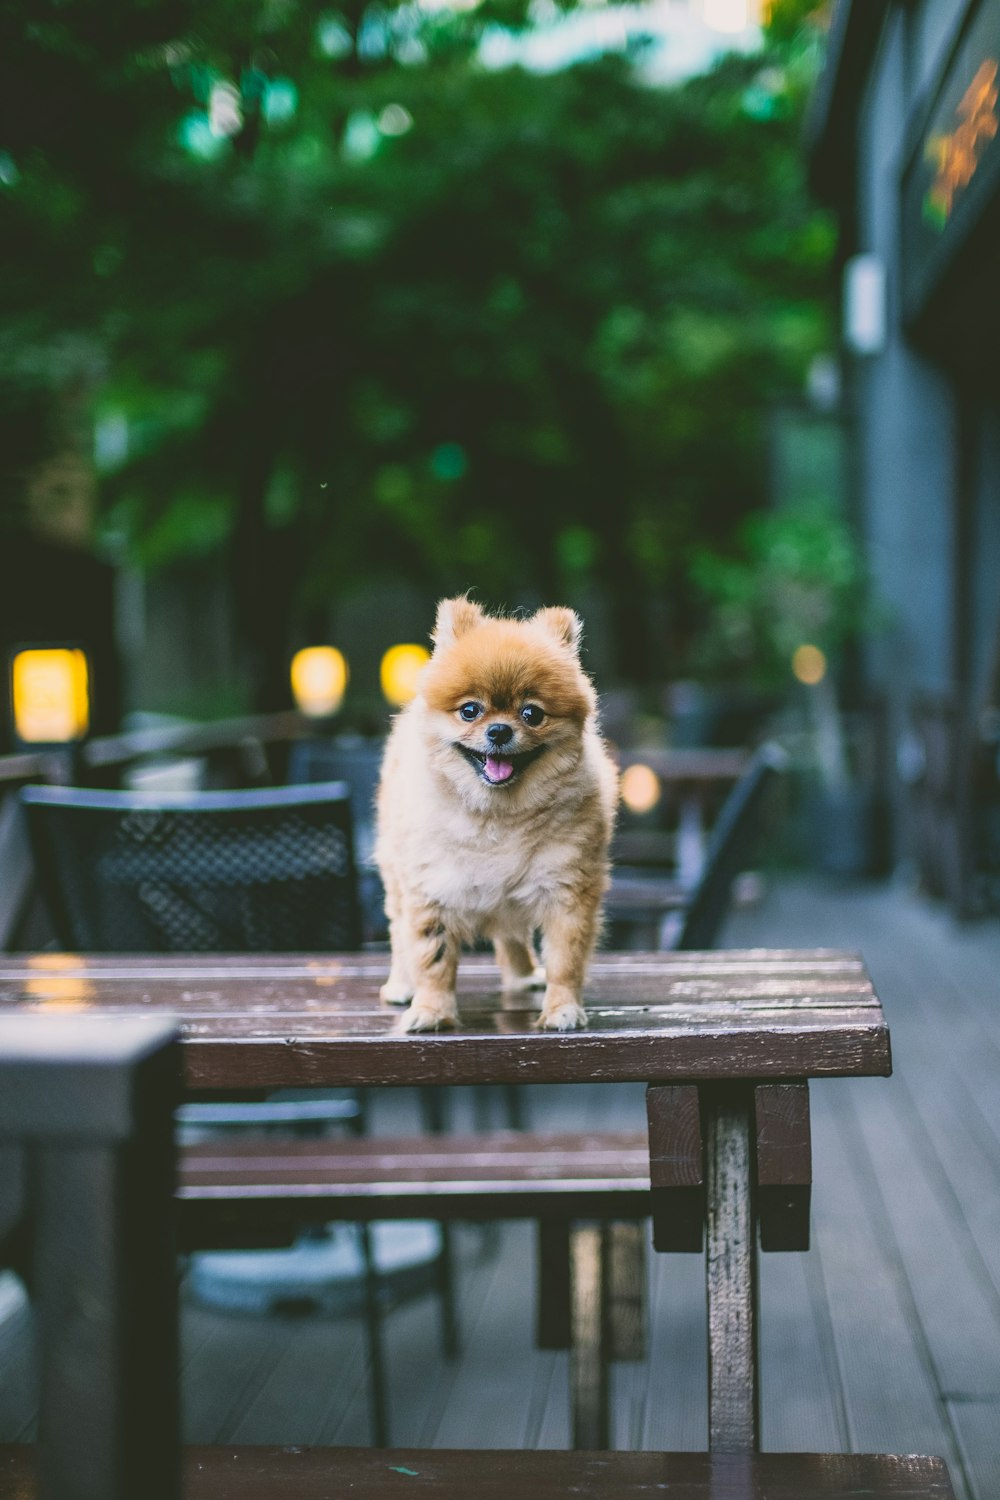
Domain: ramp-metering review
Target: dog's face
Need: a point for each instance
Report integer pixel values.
(506, 703)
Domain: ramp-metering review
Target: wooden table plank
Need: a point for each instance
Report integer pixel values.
(290, 1020)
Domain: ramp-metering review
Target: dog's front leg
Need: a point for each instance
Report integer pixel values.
(433, 955)
(568, 938)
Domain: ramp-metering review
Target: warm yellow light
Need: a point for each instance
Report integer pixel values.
(50, 696)
(729, 15)
(319, 677)
(809, 665)
(400, 671)
(641, 788)
(52, 986)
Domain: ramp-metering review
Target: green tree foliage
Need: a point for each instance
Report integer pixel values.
(409, 316)
(798, 578)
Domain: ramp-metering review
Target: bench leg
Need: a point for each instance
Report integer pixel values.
(784, 1165)
(731, 1274)
(626, 1290)
(589, 1376)
(554, 1319)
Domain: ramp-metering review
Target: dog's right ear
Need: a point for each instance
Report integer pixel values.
(455, 618)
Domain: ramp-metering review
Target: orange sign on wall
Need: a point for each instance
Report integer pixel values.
(956, 154)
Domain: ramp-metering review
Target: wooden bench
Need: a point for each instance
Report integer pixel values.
(589, 1194)
(709, 1033)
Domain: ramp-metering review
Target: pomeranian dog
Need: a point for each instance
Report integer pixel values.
(495, 809)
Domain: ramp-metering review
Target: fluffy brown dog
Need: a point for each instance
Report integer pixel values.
(495, 810)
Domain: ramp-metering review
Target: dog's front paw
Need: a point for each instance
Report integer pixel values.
(396, 992)
(429, 1015)
(562, 1012)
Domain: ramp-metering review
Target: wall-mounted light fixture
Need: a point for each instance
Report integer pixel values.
(865, 304)
(319, 679)
(50, 695)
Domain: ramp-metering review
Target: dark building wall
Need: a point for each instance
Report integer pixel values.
(927, 403)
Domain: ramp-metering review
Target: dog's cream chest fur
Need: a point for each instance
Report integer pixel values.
(473, 864)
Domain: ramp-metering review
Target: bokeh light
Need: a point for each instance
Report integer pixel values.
(809, 664)
(730, 15)
(319, 678)
(641, 789)
(50, 695)
(400, 672)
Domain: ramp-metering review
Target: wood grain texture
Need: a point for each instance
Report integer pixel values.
(676, 1167)
(731, 1277)
(313, 1021)
(262, 1473)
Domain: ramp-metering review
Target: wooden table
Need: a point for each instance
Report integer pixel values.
(725, 1041)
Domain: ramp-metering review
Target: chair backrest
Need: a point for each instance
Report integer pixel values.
(352, 759)
(730, 848)
(267, 870)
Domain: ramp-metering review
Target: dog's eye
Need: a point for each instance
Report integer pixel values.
(470, 711)
(532, 715)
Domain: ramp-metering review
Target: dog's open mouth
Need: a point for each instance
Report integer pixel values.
(500, 770)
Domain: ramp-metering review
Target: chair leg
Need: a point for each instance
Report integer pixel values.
(373, 1329)
(514, 1106)
(445, 1275)
(433, 1108)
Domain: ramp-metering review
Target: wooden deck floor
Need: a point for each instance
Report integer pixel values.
(886, 1336)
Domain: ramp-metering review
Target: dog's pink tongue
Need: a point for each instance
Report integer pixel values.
(498, 769)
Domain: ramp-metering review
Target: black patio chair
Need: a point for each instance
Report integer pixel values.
(267, 870)
(663, 913)
(357, 762)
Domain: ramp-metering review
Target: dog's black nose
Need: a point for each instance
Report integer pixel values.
(499, 734)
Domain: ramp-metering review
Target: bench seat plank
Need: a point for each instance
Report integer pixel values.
(520, 1171)
(232, 1190)
(262, 1473)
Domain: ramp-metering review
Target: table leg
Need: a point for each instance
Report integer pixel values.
(731, 1273)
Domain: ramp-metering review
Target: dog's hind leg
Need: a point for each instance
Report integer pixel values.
(518, 964)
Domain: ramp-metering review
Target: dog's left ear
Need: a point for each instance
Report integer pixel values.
(564, 624)
(455, 617)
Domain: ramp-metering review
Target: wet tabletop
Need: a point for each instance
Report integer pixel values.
(282, 1020)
